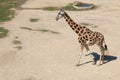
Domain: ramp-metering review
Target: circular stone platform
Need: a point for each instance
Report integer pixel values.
(80, 5)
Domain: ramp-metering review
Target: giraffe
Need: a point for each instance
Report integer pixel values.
(86, 37)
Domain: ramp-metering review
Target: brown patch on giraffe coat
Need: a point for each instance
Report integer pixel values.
(77, 31)
(69, 22)
(82, 31)
(83, 37)
(78, 28)
(86, 36)
(66, 20)
(87, 29)
(79, 34)
(84, 27)
(86, 39)
(79, 41)
(88, 32)
(75, 26)
(91, 37)
(73, 23)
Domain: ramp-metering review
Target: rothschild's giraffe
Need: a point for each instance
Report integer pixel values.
(86, 37)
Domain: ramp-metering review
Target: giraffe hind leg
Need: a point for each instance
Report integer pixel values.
(101, 59)
(89, 52)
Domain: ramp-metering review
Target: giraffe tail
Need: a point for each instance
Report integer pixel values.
(106, 48)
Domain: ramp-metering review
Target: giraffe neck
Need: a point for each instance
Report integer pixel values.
(75, 27)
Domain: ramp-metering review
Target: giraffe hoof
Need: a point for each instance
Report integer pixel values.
(93, 63)
(98, 64)
(77, 65)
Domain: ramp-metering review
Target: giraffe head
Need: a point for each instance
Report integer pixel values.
(61, 14)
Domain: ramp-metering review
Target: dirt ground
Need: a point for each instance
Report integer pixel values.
(49, 56)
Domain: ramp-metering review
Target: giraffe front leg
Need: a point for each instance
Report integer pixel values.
(78, 64)
(82, 47)
(92, 58)
(100, 60)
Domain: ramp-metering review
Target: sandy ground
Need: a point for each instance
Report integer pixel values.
(48, 56)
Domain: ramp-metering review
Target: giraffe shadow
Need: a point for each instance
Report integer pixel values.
(107, 58)
(96, 56)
